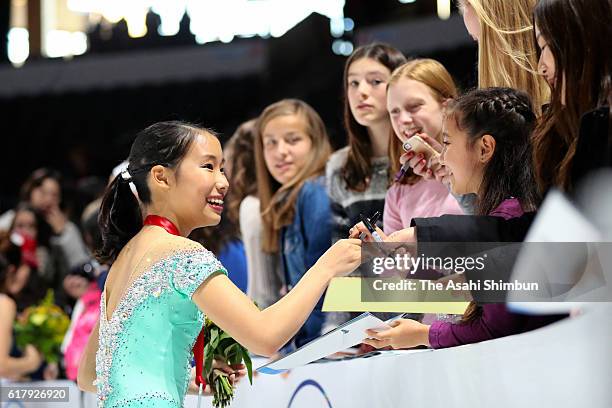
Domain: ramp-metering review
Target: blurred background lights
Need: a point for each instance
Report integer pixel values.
(65, 22)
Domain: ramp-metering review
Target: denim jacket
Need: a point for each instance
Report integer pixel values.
(303, 242)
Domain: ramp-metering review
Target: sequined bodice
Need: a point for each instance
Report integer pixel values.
(144, 350)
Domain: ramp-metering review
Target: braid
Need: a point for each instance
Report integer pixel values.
(507, 115)
(503, 102)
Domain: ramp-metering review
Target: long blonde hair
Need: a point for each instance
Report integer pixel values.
(278, 201)
(507, 55)
(432, 74)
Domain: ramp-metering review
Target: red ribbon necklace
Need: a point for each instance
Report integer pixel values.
(198, 347)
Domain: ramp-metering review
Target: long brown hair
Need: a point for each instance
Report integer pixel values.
(507, 56)
(433, 74)
(358, 167)
(278, 201)
(240, 149)
(578, 34)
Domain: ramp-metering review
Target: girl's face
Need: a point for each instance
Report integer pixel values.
(470, 19)
(286, 146)
(460, 158)
(199, 184)
(413, 109)
(25, 222)
(366, 91)
(46, 196)
(546, 64)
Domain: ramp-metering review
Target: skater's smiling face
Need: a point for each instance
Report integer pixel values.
(191, 194)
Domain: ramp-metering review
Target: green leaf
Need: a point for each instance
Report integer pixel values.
(232, 351)
(208, 360)
(214, 337)
(224, 336)
(225, 344)
(248, 363)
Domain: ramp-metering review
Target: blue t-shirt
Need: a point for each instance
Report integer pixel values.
(233, 258)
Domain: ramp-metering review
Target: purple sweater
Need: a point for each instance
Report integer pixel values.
(495, 320)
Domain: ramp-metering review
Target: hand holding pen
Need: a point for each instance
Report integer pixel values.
(429, 169)
(367, 231)
(403, 235)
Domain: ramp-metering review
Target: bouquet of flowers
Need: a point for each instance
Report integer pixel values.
(220, 346)
(44, 327)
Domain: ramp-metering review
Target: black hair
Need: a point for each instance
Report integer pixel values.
(91, 230)
(163, 143)
(578, 33)
(508, 116)
(36, 179)
(10, 255)
(43, 229)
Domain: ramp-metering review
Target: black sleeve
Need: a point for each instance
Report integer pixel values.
(594, 144)
(472, 228)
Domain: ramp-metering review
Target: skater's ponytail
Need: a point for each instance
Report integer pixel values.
(163, 143)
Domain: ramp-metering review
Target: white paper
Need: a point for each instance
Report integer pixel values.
(559, 221)
(347, 335)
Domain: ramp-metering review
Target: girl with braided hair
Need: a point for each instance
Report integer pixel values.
(487, 151)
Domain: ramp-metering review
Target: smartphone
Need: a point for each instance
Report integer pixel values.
(418, 145)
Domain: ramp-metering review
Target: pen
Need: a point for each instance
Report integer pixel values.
(370, 228)
(373, 221)
(402, 171)
(406, 146)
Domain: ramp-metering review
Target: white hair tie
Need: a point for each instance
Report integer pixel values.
(126, 176)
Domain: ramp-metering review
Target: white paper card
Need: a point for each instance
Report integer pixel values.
(557, 221)
(347, 335)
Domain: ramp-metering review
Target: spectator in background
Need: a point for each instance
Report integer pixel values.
(291, 150)
(266, 283)
(47, 258)
(17, 266)
(573, 138)
(570, 140)
(507, 55)
(487, 148)
(245, 261)
(417, 95)
(42, 190)
(84, 283)
(357, 176)
(81, 276)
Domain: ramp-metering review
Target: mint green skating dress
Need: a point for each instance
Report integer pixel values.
(145, 347)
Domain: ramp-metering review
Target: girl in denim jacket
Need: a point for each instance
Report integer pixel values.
(291, 150)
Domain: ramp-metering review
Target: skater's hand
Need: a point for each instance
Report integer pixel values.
(235, 372)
